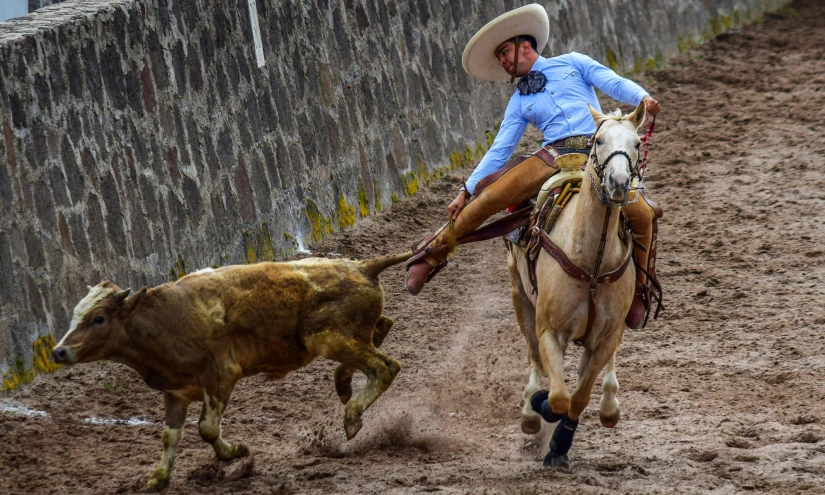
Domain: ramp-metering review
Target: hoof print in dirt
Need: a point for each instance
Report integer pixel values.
(555, 461)
(243, 468)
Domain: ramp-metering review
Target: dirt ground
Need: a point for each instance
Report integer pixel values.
(723, 394)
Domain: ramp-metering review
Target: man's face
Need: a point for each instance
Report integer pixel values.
(506, 53)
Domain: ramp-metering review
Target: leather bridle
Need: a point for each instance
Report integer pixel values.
(599, 167)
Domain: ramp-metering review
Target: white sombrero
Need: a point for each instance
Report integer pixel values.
(479, 57)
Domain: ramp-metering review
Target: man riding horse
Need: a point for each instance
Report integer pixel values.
(552, 94)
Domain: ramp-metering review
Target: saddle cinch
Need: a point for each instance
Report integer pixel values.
(519, 228)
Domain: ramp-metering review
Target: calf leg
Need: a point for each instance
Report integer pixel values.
(379, 368)
(176, 407)
(210, 426)
(343, 373)
(526, 316)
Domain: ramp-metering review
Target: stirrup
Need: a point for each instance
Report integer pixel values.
(419, 257)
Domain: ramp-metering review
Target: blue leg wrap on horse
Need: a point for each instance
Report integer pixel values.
(563, 436)
(540, 404)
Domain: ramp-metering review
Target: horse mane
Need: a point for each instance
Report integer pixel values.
(614, 115)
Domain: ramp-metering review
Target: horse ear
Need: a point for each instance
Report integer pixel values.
(597, 116)
(638, 115)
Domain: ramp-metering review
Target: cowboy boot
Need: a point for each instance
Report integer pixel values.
(422, 267)
(643, 218)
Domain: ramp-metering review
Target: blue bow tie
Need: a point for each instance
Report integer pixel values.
(532, 82)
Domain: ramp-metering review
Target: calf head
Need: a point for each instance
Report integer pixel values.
(98, 325)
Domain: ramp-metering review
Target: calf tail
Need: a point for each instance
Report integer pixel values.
(375, 266)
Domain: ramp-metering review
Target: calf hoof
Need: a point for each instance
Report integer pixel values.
(352, 428)
(556, 461)
(240, 450)
(157, 482)
(610, 421)
(539, 404)
(530, 423)
(235, 451)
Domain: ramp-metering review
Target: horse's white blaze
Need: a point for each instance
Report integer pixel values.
(95, 295)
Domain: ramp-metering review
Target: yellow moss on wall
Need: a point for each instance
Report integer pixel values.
(611, 59)
(177, 271)
(346, 213)
(266, 250)
(468, 154)
(41, 363)
(683, 44)
(319, 225)
(363, 201)
(480, 150)
(456, 160)
(249, 248)
(378, 206)
(411, 183)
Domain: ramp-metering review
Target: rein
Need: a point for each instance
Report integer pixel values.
(592, 278)
(646, 140)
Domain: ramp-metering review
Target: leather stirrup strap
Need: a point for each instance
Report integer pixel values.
(499, 227)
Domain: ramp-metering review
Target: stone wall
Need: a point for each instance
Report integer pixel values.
(39, 4)
(140, 139)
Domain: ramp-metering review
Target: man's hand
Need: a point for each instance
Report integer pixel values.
(651, 105)
(458, 204)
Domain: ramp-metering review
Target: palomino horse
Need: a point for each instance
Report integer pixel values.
(570, 306)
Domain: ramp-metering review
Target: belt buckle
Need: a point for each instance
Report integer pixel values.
(579, 142)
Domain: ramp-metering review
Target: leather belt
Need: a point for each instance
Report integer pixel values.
(577, 142)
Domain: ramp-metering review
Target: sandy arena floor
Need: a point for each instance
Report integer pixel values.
(723, 394)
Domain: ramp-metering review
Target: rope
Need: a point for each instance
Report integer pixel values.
(646, 140)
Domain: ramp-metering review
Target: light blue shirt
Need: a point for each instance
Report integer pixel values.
(560, 110)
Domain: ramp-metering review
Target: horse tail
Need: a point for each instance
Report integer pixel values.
(375, 266)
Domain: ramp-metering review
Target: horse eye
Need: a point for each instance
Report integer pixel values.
(599, 142)
(98, 320)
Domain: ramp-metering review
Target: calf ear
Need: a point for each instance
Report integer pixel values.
(638, 115)
(133, 301)
(597, 116)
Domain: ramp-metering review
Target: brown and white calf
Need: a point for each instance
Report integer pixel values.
(193, 339)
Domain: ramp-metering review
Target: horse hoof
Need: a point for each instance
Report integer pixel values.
(353, 428)
(610, 421)
(556, 461)
(531, 424)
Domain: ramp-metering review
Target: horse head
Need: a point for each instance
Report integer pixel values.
(615, 155)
